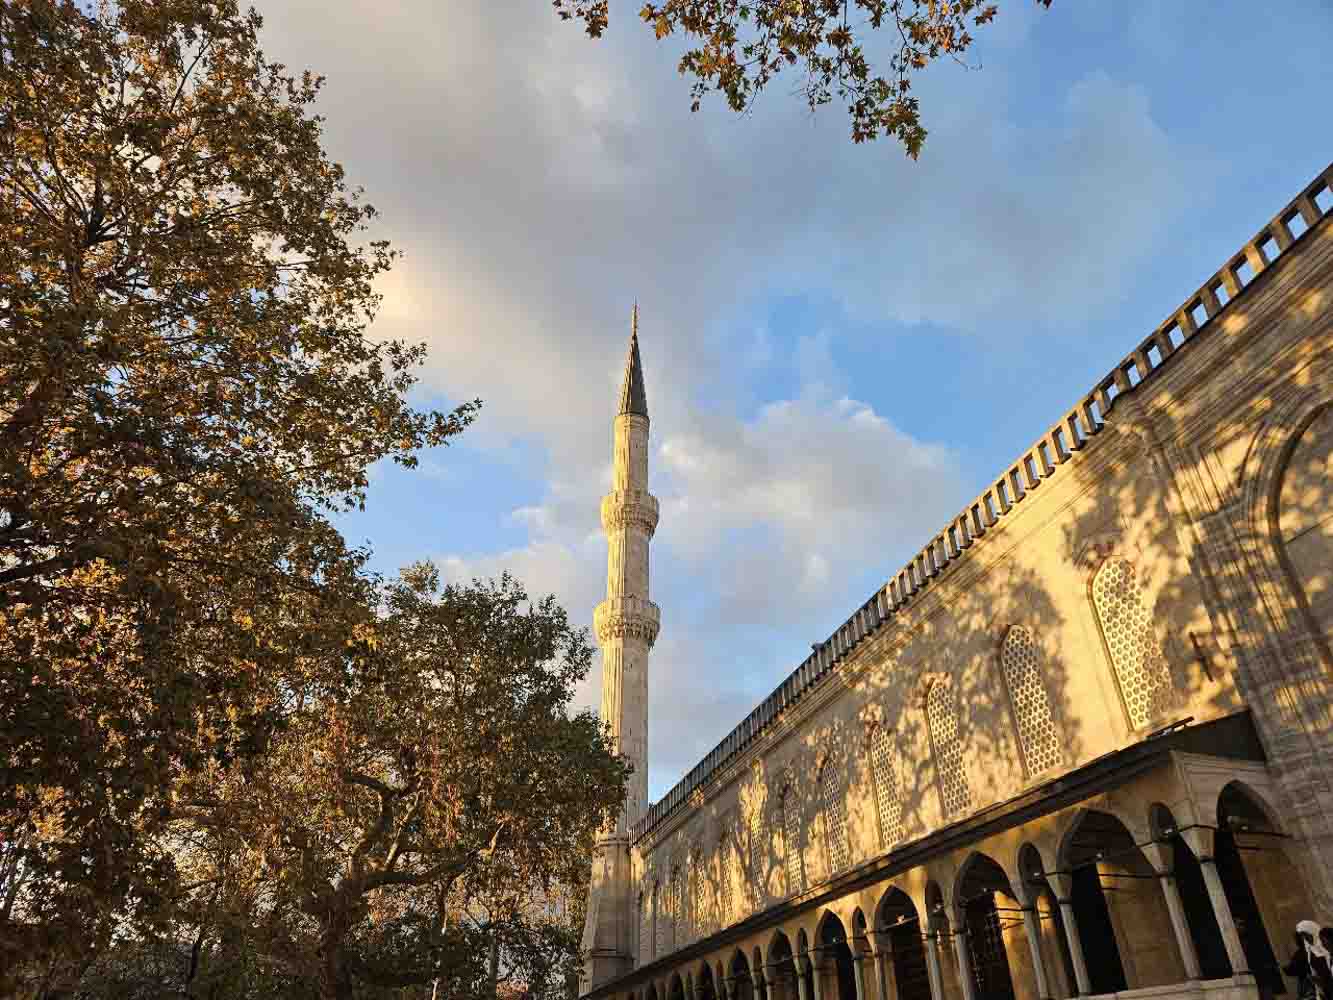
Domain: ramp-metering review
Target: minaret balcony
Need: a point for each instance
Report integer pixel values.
(626, 618)
(630, 509)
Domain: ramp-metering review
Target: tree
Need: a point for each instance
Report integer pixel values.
(739, 46)
(430, 769)
(187, 390)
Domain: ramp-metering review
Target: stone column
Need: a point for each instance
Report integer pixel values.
(964, 963)
(757, 981)
(1225, 921)
(859, 975)
(1200, 841)
(1063, 885)
(1158, 855)
(933, 966)
(802, 987)
(818, 987)
(1033, 930)
(884, 968)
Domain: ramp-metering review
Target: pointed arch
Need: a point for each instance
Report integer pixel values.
(833, 806)
(947, 746)
(1141, 671)
(1020, 666)
(884, 777)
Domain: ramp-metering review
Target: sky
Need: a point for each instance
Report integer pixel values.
(841, 346)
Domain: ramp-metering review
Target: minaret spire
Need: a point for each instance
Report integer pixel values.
(626, 624)
(633, 398)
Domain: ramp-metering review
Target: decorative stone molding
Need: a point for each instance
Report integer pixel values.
(927, 680)
(1096, 551)
(630, 509)
(626, 618)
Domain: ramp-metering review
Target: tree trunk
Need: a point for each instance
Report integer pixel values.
(494, 990)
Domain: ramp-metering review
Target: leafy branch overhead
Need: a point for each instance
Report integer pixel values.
(738, 47)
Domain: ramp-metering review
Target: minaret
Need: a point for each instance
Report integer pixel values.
(626, 624)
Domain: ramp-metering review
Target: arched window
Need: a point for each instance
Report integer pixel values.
(758, 857)
(835, 818)
(942, 721)
(1020, 663)
(791, 842)
(883, 767)
(1140, 669)
(698, 883)
(674, 905)
(726, 865)
(659, 922)
(645, 929)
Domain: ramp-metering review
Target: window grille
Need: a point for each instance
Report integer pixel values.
(699, 883)
(659, 922)
(1140, 669)
(942, 720)
(1020, 662)
(758, 858)
(791, 843)
(835, 818)
(645, 930)
(726, 865)
(883, 765)
(677, 934)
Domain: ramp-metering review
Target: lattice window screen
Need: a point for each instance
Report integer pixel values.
(1021, 662)
(942, 719)
(726, 873)
(791, 843)
(1140, 668)
(699, 883)
(758, 858)
(659, 922)
(883, 765)
(835, 818)
(677, 937)
(645, 930)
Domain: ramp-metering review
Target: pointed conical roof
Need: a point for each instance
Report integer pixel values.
(633, 399)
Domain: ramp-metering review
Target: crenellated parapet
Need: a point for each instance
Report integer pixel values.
(630, 509)
(626, 618)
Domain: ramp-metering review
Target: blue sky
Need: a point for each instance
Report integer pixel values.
(841, 346)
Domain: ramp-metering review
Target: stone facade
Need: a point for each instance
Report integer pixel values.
(1081, 744)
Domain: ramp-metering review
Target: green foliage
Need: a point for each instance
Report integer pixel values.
(738, 47)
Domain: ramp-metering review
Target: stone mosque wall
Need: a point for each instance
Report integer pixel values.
(1119, 652)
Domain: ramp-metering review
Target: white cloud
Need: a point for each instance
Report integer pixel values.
(763, 522)
(539, 182)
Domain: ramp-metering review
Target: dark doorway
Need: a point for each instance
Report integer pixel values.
(900, 928)
(833, 948)
(983, 888)
(985, 939)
